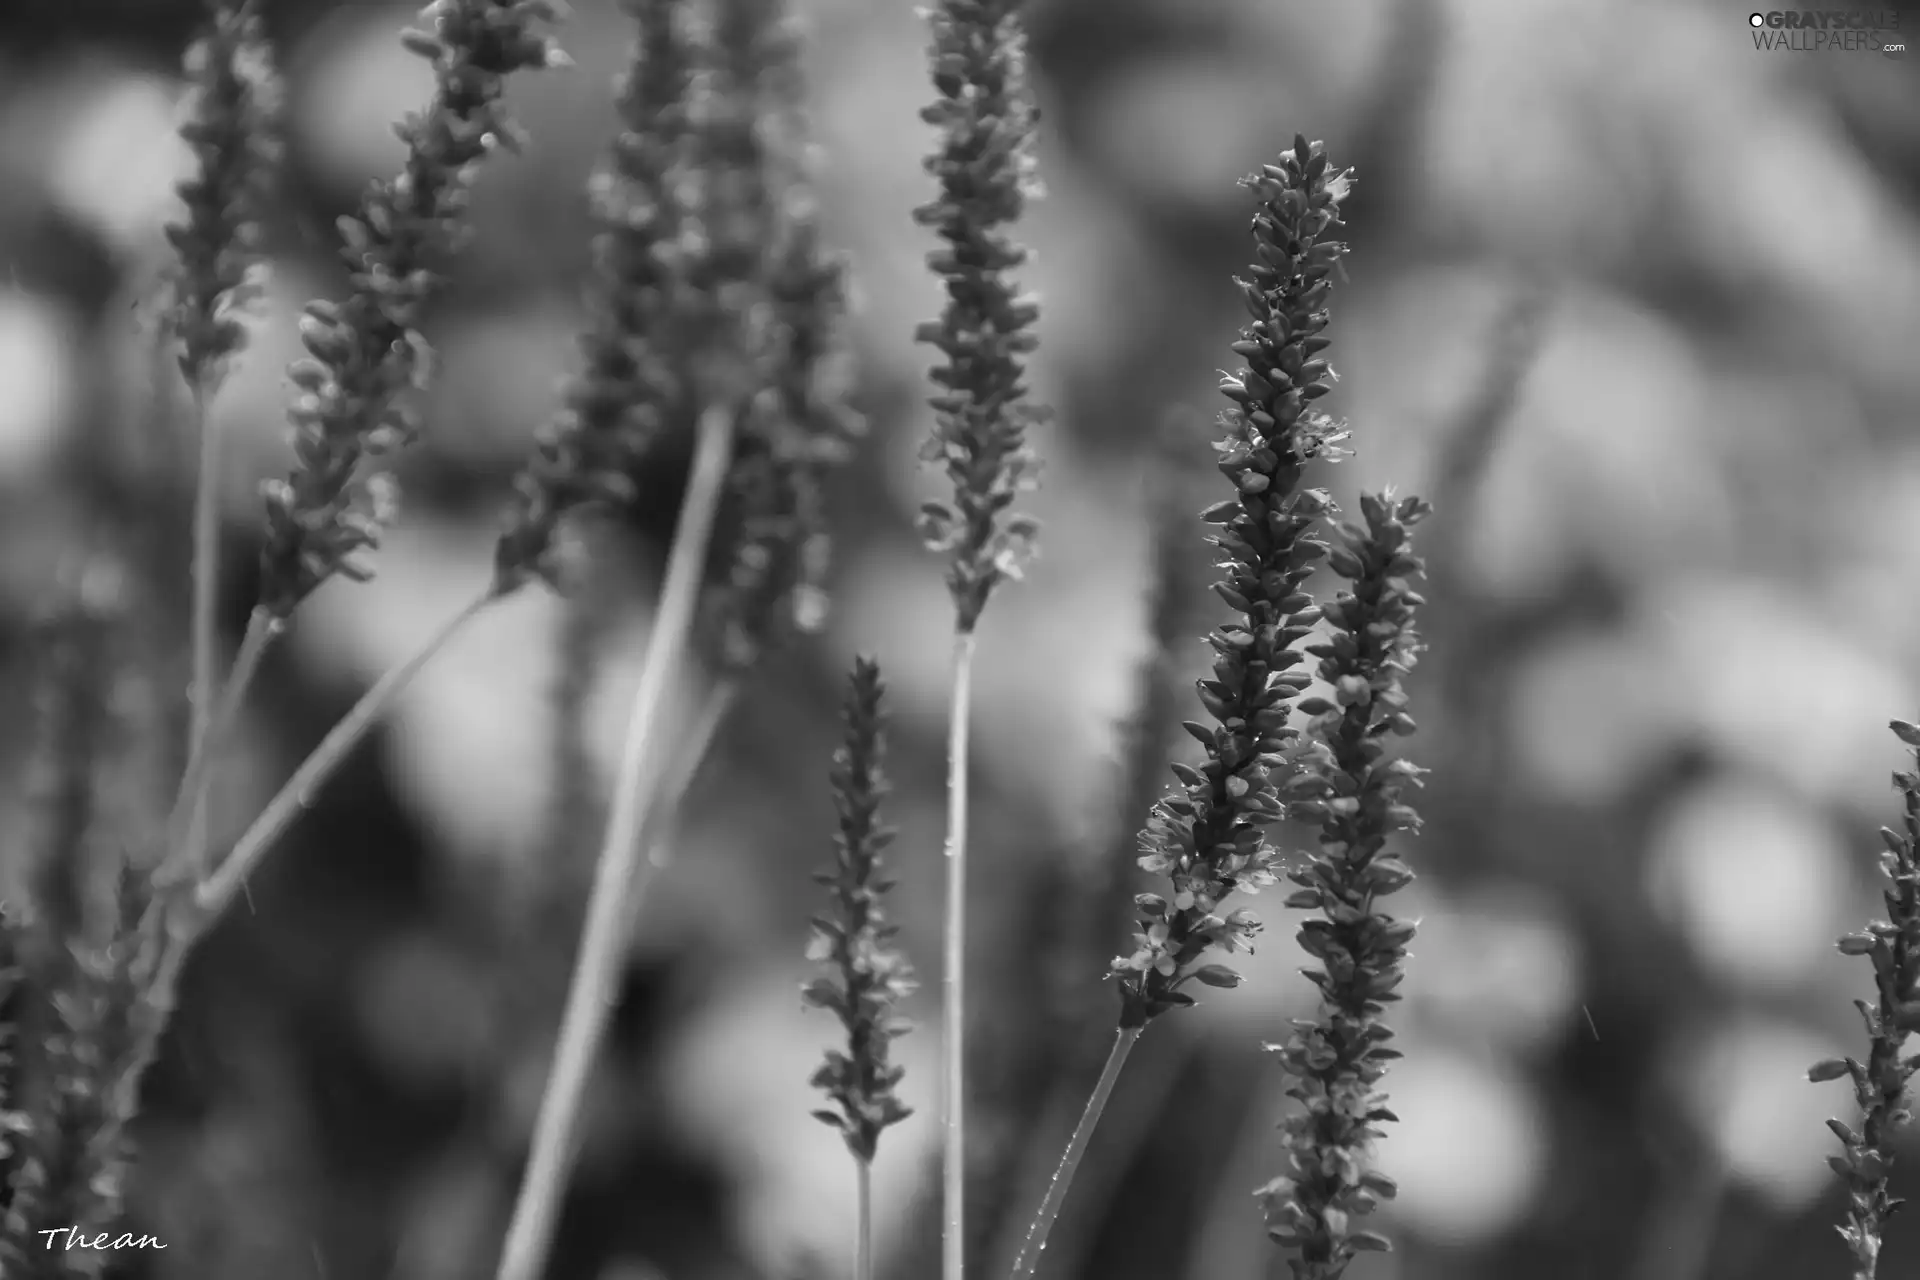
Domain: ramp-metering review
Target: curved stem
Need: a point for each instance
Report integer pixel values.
(595, 986)
(297, 794)
(953, 981)
(1043, 1220)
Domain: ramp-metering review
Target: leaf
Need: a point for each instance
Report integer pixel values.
(1217, 975)
(1828, 1069)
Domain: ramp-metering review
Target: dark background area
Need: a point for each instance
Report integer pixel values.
(1637, 304)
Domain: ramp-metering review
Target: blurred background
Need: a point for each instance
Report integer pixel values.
(1636, 303)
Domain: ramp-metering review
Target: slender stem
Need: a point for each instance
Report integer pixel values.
(863, 1219)
(156, 1006)
(953, 980)
(263, 628)
(220, 888)
(1043, 1220)
(595, 986)
(171, 924)
(1150, 1083)
(206, 592)
(691, 753)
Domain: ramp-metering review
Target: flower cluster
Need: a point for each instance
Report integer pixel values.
(798, 425)
(628, 386)
(1880, 1084)
(866, 975)
(735, 147)
(985, 167)
(1336, 1059)
(798, 430)
(367, 352)
(1209, 838)
(233, 131)
(711, 267)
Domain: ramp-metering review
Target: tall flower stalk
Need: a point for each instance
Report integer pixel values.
(233, 131)
(1100, 895)
(738, 50)
(642, 197)
(799, 429)
(627, 396)
(1208, 837)
(594, 989)
(365, 354)
(984, 164)
(1337, 1059)
(865, 976)
(1881, 1084)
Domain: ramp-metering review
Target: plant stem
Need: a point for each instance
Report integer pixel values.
(1036, 1243)
(863, 1223)
(595, 986)
(206, 591)
(953, 980)
(690, 754)
(263, 628)
(219, 888)
(171, 922)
